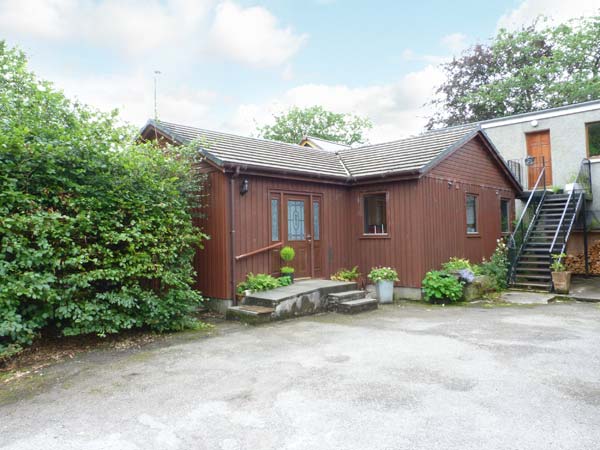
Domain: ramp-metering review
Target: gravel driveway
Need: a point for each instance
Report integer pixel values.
(403, 377)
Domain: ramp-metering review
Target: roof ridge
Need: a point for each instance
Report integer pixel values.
(205, 130)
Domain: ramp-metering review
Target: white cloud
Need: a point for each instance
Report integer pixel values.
(253, 36)
(132, 94)
(177, 28)
(396, 109)
(455, 42)
(557, 10)
(409, 55)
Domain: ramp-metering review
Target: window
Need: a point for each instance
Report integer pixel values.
(472, 214)
(274, 219)
(593, 139)
(505, 215)
(375, 214)
(316, 230)
(296, 231)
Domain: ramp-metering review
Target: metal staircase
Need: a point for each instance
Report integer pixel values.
(544, 229)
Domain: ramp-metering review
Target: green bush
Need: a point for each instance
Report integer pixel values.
(497, 267)
(284, 281)
(383, 274)
(286, 270)
(287, 254)
(458, 264)
(439, 286)
(346, 275)
(258, 282)
(96, 233)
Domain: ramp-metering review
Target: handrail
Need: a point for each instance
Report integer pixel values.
(560, 222)
(542, 173)
(260, 250)
(514, 252)
(584, 182)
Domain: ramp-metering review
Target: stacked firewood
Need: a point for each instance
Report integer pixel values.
(576, 263)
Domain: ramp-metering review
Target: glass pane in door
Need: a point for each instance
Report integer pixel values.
(295, 218)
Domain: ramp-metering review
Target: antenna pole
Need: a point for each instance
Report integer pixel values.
(156, 74)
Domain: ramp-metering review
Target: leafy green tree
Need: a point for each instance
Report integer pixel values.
(293, 125)
(96, 231)
(537, 67)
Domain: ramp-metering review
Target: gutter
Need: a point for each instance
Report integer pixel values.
(232, 267)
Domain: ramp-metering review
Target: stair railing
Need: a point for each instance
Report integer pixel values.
(582, 190)
(519, 236)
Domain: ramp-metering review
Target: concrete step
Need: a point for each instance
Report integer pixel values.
(533, 286)
(357, 305)
(338, 297)
(250, 314)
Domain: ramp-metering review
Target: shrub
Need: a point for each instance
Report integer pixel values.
(383, 274)
(457, 264)
(346, 275)
(439, 286)
(258, 282)
(497, 267)
(557, 264)
(287, 254)
(284, 281)
(286, 270)
(96, 231)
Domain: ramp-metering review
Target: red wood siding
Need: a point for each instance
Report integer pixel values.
(472, 163)
(402, 248)
(253, 225)
(212, 262)
(426, 221)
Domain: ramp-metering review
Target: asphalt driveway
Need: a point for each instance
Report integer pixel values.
(402, 377)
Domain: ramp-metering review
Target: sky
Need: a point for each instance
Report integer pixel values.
(229, 65)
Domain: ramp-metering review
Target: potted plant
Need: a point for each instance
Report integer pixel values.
(384, 278)
(561, 278)
(572, 185)
(287, 254)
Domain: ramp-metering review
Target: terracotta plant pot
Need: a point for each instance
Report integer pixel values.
(562, 282)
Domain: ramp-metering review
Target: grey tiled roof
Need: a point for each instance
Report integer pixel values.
(408, 154)
(405, 155)
(233, 149)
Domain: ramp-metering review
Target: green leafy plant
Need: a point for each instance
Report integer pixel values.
(284, 281)
(457, 264)
(383, 274)
(287, 254)
(556, 189)
(557, 265)
(440, 286)
(346, 274)
(286, 270)
(497, 267)
(96, 232)
(258, 282)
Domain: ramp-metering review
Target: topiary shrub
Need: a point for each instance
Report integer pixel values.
(96, 231)
(287, 253)
(441, 287)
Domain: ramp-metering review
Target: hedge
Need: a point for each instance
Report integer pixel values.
(96, 231)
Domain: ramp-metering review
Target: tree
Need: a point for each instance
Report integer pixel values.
(537, 67)
(315, 121)
(96, 231)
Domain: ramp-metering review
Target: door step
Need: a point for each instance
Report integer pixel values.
(250, 314)
(357, 306)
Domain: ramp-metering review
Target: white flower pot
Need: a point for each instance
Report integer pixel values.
(572, 187)
(385, 291)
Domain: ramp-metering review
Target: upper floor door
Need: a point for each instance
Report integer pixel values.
(538, 146)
